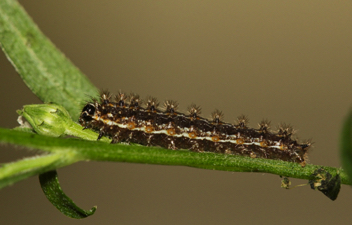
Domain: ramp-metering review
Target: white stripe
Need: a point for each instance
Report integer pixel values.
(229, 138)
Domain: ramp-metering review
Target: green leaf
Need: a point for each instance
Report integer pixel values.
(44, 69)
(346, 145)
(51, 187)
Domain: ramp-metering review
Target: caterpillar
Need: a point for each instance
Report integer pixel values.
(126, 118)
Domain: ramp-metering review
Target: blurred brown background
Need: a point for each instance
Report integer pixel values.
(288, 61)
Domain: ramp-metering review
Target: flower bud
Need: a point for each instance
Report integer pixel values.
(47, 119)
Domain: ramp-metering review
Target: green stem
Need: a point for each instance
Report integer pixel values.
(16, 171)
(73, 150)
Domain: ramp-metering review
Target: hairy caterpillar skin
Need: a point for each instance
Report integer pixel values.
(126, 119)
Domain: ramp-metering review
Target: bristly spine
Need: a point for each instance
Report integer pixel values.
(127, 119)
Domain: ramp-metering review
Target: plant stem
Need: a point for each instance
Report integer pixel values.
(16, 171)
(73, 150)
